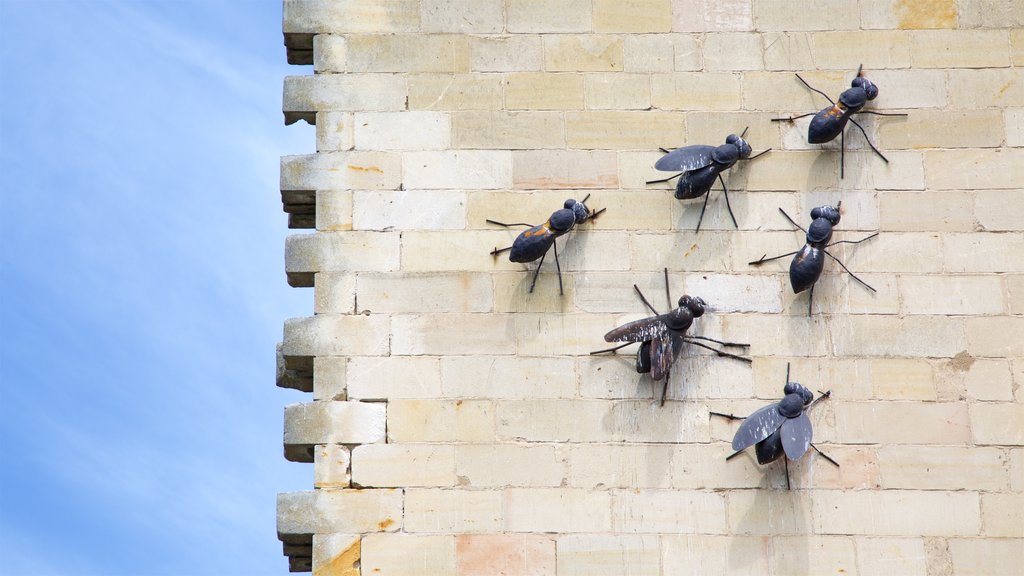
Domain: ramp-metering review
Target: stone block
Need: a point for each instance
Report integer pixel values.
(455, 92)
(942, 468)
(341, 171)
(974, 169)
(461, 16)
(457, 169)
(452, 511)
(769, 512)
(408, 555)
(922, 14)
(334, 423)
(942, 129)
(428, 251)
(728, 51)
(990, 14)
(787, 51)
(912, 336)
(403, 465)
(1001, 250)
(554, 16)
(351, 16)
(636, 16)
(336, 554)
(694, 554)
(490, 554)
(453, 334)
(331, 467)
(507, 130)
(932, 211)
(949, 295)
(517, 376)
(985, 556)
(812, 555)
(772, 15)
(343, 511)
(996, 337)
(986, 88)
(559, 510)
(998, 423)
(408, 53)
(583, 53)
(330, 54)
(944, 423)
(871, 48)
(304, 96)
(609, 555)
(440, 421)
(622, 130)
(387, 377)
(333, 210)
(329, 378)
(891, 556)
(585, 421)
(543, 91)
(555, 169)
(402, 130)
(409, 210)
(515, 53)
(418, 292)
(334, 131)
(1000, 515)
(960, 49)
(306, 255)
(502, 465)
(889, 513)
(334, 292)
(618, 91)
(712, 16)
(657, 511)
(336, 335)
(696, 91)
(656, 52)
(995, 210)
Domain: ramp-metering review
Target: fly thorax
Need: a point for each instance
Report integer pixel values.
(726, 154)
(580, 212)
(679, 319)
(819, 232)
(853, 98)
(562, 221)
(791, 406)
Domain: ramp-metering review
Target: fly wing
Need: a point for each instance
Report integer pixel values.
(796, 436)
(685, 159)
(638, 331)
(757, 427)
(662, 356)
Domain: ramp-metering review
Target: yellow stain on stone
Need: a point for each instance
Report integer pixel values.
(365, 169)
(344, 564)
(916, 14)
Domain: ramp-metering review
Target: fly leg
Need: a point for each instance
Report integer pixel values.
(737, 344)
(729, 416)
(825, 456)
(497, 251)
(842, 152)
(539, 264)
(880, 155)
(664, 390)
(810, 300)
(763, 259)
(868, 286)
(716, 351)
(554, 244)
(665, 179)
(611, 349)
(704, 207)
(788, 485)
(644, 300)
(727, 205)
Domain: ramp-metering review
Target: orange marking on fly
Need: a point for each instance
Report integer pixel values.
(542, 230)
(835, 111)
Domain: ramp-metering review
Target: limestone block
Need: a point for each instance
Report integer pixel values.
(944, 423)
(819, 555)
(1001, 250)
(440, 421)
(388, 377)
(306, 95)
(618, 91)
(696, 91)
(334, 292)
(913, 336)
(637, 16)
(1000, 515)
(888, 14)
(553, 16)
(619, 130)
(985, 88)
(902, 379)
(427, 251)
(402, 130)
(409, 210)
(909, 88)
(334, 131)
(989, 380)
(703, 466)
(597, 466)
(583, 53)
(770, 15)
(727, 51)
(489, 554)
(517, 53)
(408, 53)
(978, 557)
(341, 171)
(657, 511)
(996, 337)
(331, 466)
(554, 169)
(329, 378)
(461, 16)
(946, 211)
(455, 92)
(651, 52)
(872, 48)
(425, 292)
(559, 510)
(330, 53)
(333, 210)
(1000, 423)
(1015, 285)
(942, 468)
(787, 51)
(557, 334)
(351, 16)
(990, 14)
(948, 294)
(711, 554)
(1014, 119)
(609, 555)
(507, 130)
(346, 511)
(1017, 46)
(457, 169)
(336, 554)
(995, 210)
(974, 169)
(453, 334)
(408, 555)
(601, 421)
(403, 465)
(336, 335)
(308, 254)
(712, 16)
(942, 129)
(960, 49)
(507, 377)
(334, 423)
(501, 465)
(897, 513)
(769, 512)
(449, 511)
(891, 556)
(543, 91)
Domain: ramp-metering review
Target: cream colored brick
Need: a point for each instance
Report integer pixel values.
(638, 16)
(408, 53)
(873, 49)
(557, 334)
(379, 378)
(902, 379)
(618, 91)
(656, 52)
(403, 465)
(334, 131)
(408, 555)
(1014, 119)
(405, 210)
(336, 335)
(331, 466)
(507, 377)
(609, 555)
(543, 91)
(1015, 285)
(989, 380)
(1017, 46)
(425, 293)
(559, 510)
(310, 94)
(769, 512)
(457, 169)
(339, 251)
(557, 169)
(330, 378)
(983, 252)
(696, 91)
(729, 51)
(983, 557)
(1000, 515)
(345, 511)
(712, 128)
(695, 554)
(992, 87)
(990, 14)
(946, 295)
(996, 337)
(1000, 423)
(704, 466)
(622, 130)
(341, 171)
(506, 53)
(997, 210)
(787, 51)
(942, 129)
(330, 53)
(808, 335)
(334, 292)
(848, 379)
(814, 555)
(908, 88)
(913, 336)
(770, 15)
(334, 423)
(453, 334)
(455, 92)
(351, 16)
(445, 251)
(553, 16)
(440, 421)
(333, 210)
(837, 293)
(601, 421)
(735, 293)
(876, 513)
(452, 511)
(500, 465)
(584, 53)
(711, 16)
(657, 511)
(891, 556)
(598, 466)
(508, 130)
(461, 16)
(402, 130)
(942, 468)
(960, 49)
(488, 554)
(950, 211)
(902, 422)
(908, 15)
(336, 554)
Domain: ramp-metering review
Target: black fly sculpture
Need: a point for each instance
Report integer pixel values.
(662, 336)
(831, 121)
(534, 242)
(779, 430)
(699, 165)
(807, 265)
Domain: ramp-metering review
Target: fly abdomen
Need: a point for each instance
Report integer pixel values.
(770, 449)
(806, 268)
(826, 125)
(697, 183)
(531, 244)
(643, 358)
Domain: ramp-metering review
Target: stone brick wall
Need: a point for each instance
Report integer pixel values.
(456, 423)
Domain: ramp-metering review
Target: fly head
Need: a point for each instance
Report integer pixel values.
(579, 210)
(792, 405)
(830, 213)
(869, 88)
(564, 219)
(695, 304)
(740, 144)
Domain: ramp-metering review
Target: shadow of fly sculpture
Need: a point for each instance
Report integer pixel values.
(662, 336)
(699, 165)
(534, 242)
(779, 429)
(831, 121)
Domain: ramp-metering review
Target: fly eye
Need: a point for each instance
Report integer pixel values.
(806, 395)
(790, 387)
(732, 139)
(569, 203)
(816, 213)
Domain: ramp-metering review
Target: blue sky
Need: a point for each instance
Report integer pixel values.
(142, 287)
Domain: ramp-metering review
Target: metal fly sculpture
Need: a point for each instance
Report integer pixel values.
(831, 121)
(807, 265)
(699, 165)
(534, 242)
(779, 429)
(662, 336)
